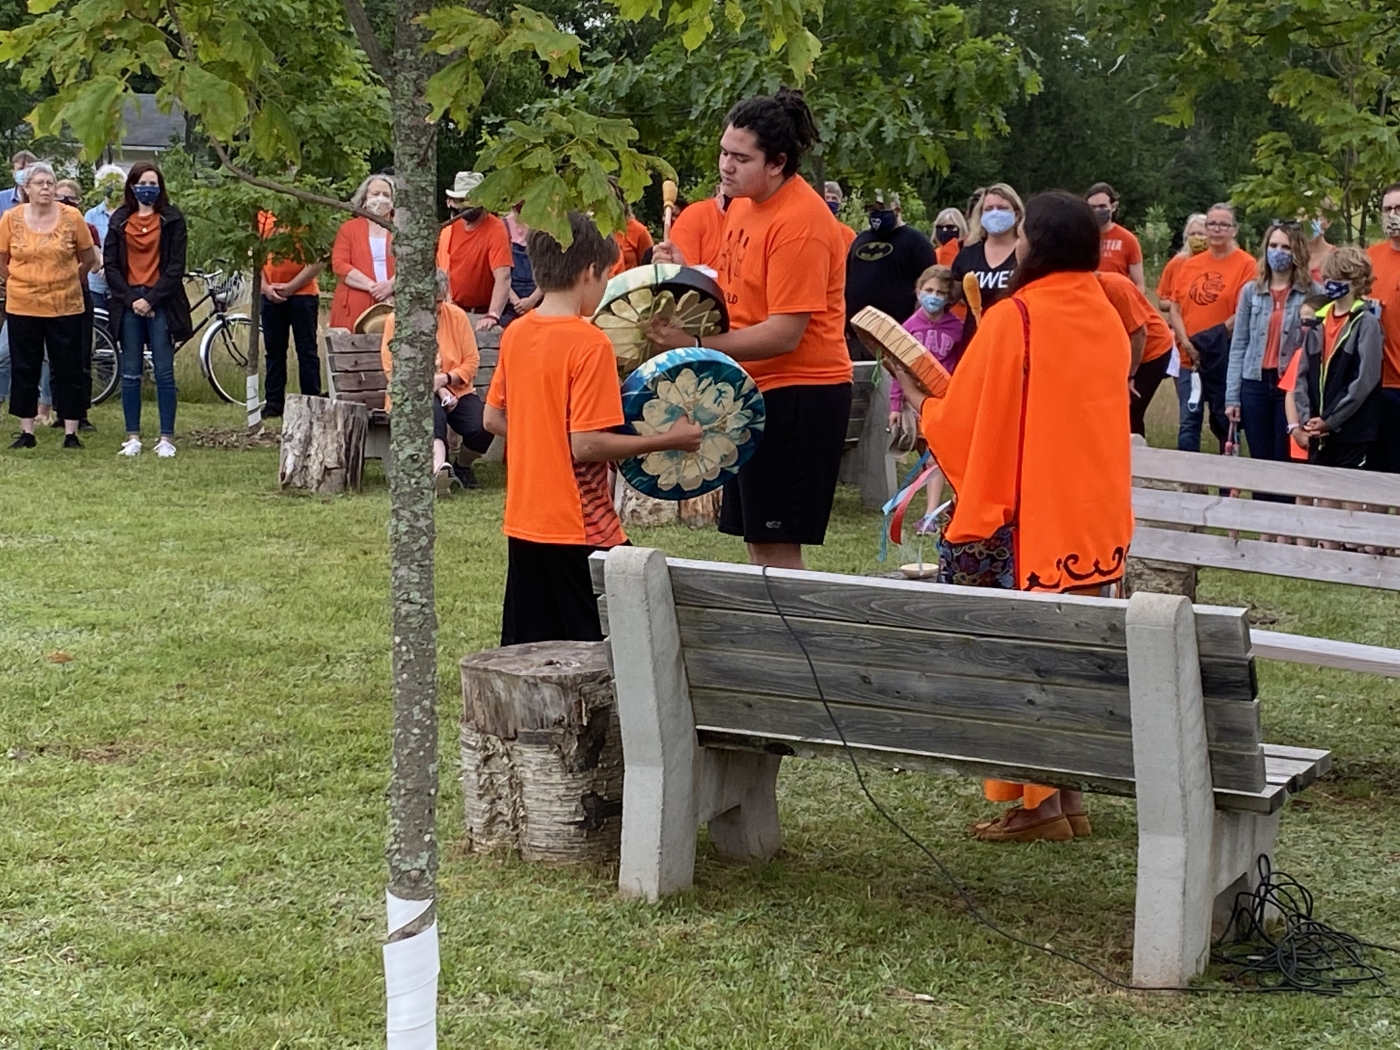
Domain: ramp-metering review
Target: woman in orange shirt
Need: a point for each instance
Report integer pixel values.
(362, 257)
(1033, 436)
(949, 233)
(45, 253)
(143, 259)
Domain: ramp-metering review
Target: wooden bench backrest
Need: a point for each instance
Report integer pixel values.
(356, 370)
(1156, 506)
(994, 682)
(863, 386)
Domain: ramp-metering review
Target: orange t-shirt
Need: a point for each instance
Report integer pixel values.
(44, 266)
(944, 254)
(1288, 383)
(1135, 311)
(698, 232)
(471, 257)
(1207, 289)
(280, 271)
(1118, 249)
(1274, 337)
(632, 244)
(557, 376)
(1385, 289)
(848, 235)
(457, 354)
(1074, 512)
(787, 256)
(1332, 326)
(143, 250)
(1164, 283)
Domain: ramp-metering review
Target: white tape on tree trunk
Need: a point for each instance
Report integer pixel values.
(251, 400)
(410, 979)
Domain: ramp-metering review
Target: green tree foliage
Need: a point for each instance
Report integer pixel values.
(1333, 66)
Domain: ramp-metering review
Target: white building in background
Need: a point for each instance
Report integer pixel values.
(146, 132)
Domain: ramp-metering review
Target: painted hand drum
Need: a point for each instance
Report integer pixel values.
(679, 294)
(883, 337)
(717, 394)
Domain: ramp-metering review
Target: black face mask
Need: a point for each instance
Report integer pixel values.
(1104, 215)
(944, 234)
(471, 214)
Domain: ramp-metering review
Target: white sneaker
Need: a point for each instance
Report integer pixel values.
(131, 447)
(164, 449)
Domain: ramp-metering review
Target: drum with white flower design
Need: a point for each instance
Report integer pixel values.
(717, 394)
(686, 297)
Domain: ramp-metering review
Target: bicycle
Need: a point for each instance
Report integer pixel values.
(223, 349)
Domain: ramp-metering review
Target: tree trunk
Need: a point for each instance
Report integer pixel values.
(323, 444)
(702, 511)
(251, 397)
(411, 954)
(542, 752)
(644, 511)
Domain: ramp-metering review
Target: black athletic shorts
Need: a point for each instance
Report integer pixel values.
(1333, 453)
(784, 493)
(549, 594)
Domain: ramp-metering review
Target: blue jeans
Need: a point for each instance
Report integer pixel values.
(1188, 432)
(1265, 425)
(138, 333)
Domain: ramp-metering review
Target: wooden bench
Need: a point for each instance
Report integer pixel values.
(355, 372)
(1171, 524)
(1150, 697)
(867, 462)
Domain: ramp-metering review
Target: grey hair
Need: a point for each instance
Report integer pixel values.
(358, 197)
(1195, 216)
(39, 167)
(952, 217)
(1222, 206)
(441, 285)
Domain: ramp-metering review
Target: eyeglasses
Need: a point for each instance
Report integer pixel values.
(1220, 225)
(70, 201)
(1391, 209)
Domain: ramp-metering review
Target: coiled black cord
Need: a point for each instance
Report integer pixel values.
(1307, 956)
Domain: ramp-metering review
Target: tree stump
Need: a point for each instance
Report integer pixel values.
(635, 509)
(1161, 577)
(702, 511)
(542, 752)
(323, 444)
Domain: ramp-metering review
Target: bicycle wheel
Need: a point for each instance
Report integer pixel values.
(223, 356)
(105, 370)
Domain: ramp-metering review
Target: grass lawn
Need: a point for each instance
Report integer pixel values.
(192, 816)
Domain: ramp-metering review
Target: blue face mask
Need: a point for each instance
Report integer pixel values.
(1335, 289)
(1316, 227)
(835, 207)
(932, 303)
(998, 220)
(1279, 259)
(146, 193)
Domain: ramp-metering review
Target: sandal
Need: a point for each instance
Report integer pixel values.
(1051, 829)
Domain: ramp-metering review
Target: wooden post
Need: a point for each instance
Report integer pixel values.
(542, 752)
(323, 444)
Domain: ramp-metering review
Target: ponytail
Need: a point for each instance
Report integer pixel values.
(782, 123)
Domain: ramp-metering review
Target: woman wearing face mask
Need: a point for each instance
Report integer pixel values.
(363, 254)
(990, 254)
(1193, 242)
(1265, 336)
(949, 233)
(1319, 247)
(143, 257)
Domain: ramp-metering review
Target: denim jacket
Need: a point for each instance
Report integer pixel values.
(1252, 332)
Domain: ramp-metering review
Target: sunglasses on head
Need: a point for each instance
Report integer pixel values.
(1286, 224)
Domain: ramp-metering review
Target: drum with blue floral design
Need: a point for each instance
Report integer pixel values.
(713, 390)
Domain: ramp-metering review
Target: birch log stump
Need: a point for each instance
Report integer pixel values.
(542, 752)
(635, 509)
(702, 511)
(323, 444)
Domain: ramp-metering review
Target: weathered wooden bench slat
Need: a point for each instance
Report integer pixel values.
(356, 361)
(353, 382)
(370, 398)
(1295, 767)
(1275, 559)
(1287, 519)
(1326, 652)
(1255, 475)
(923, 606)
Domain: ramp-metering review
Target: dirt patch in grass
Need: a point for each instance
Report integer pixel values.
(232, 439)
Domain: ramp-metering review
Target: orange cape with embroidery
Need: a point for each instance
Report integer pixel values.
(1076, 508)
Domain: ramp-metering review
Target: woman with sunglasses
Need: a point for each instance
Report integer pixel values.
(1267, 332)
(949, 233)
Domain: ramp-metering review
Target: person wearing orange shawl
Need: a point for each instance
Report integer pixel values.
(1061, 470)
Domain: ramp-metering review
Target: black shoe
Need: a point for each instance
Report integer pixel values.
(24, 441)
(465, 476)
(86, 426)
(71, 441)
(272, 413)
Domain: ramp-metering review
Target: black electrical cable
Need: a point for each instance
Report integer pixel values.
(1308, 956)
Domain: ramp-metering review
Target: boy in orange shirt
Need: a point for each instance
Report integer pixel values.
(555, 397)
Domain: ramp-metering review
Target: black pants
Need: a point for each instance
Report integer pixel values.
(298, 316)
(86, 349)
(1330, 452)
(1213, 344)
(1149, 377)
(465, 418)
(1385, 450)
(61, 338)
(549, 594)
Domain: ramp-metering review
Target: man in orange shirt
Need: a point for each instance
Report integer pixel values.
(555, 398)
(698, 231)
(291, 300)
(633, 244)
(1204, 298)
(474, 249)
(782, 268)
(1385, 290)
(1119, 250)
(1151, 342)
